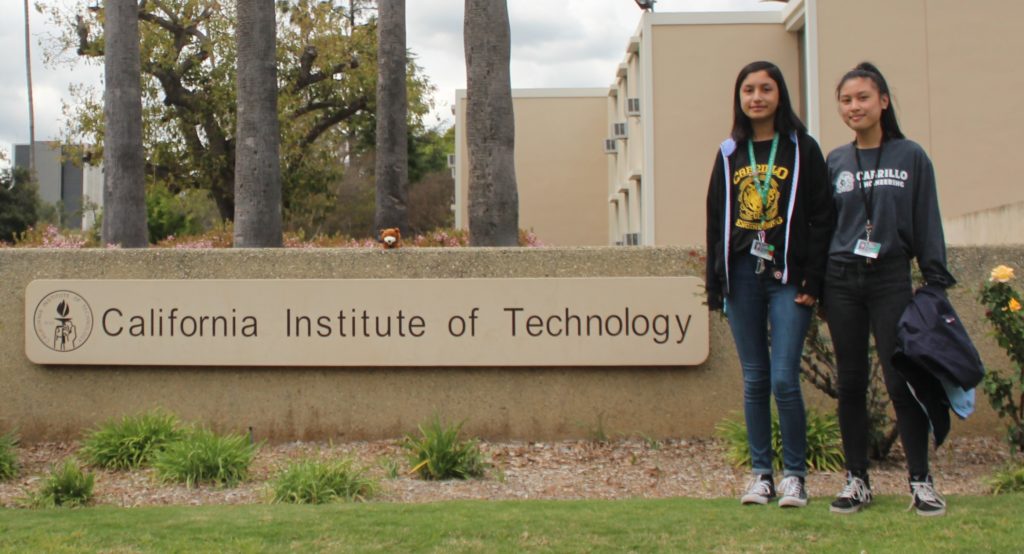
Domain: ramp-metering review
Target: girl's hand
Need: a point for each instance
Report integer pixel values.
(805, 299)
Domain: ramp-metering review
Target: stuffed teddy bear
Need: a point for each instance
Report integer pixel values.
(391, 238)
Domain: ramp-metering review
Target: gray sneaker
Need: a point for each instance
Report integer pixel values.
(793, 491)
(854, 497)
(760, 490)
(926, 501)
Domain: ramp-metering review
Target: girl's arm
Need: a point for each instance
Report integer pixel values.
(929, 240)
(715, 209)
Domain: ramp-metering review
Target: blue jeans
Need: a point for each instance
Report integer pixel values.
(756, 306)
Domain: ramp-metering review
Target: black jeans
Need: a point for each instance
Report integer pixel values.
(860, 296)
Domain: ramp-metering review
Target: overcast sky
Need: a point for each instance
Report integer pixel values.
(566, 43)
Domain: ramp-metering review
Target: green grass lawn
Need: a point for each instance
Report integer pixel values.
(973, 524)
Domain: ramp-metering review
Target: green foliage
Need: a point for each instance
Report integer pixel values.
(319, 482)
(439, 454)
(66, 485)
(202, 456)
(390, 466)
(326, 70)
(132, 442)
(8, 456)
(1010, 479)
(19, 203)
(824, 444)
(189, 212)
(1005, 389)
(428, 152)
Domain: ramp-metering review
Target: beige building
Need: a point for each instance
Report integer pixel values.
(558, 163)
(670, 104)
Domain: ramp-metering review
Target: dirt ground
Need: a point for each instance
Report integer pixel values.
(626, 468)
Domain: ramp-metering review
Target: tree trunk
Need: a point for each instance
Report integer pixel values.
(490, 128)
(124, 187)
(257, 147)
(392, 166)
(31, 103)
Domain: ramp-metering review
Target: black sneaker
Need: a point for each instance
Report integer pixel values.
(760, 490)
(793, 491)
(854, 497)
(926, 501)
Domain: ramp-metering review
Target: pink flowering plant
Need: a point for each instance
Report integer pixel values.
(49, 236)
(1006, 390)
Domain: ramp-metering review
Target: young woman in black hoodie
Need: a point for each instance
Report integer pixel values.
(888, 213)
(769, 220)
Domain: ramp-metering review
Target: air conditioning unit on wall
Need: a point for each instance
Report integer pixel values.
(633, 107)
(619, 130)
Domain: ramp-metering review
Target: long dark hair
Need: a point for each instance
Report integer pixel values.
(867, 70)
(786, 120)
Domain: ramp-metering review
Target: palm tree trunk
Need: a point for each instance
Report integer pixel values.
(257, 150)
(124, 188)
(31, 103)
(490, 127)
(392, 164)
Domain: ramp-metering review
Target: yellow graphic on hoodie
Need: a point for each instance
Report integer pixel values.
(751, 207)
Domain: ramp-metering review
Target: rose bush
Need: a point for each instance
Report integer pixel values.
(1005, 389)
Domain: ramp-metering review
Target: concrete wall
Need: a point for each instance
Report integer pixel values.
(1002, 225)
(56, 402)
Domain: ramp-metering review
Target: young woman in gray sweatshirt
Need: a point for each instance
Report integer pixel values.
(887, 214)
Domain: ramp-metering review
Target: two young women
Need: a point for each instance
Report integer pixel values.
(785, 229)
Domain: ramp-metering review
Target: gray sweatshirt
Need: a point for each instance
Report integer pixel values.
(904, 206)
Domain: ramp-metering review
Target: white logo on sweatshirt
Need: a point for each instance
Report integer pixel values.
(844, 182)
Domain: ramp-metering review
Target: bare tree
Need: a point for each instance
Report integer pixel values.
(257, 156)
(31, 102)
(124, 188)
(392, 166)
(490, 128)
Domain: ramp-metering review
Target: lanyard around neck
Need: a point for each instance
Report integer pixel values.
(763, 187)
(868, 197)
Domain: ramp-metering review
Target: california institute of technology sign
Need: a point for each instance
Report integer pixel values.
(633, 321)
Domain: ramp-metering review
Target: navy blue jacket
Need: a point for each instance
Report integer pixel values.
(937, 358)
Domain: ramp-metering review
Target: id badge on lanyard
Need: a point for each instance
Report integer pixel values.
(762, 249)
(867, 249)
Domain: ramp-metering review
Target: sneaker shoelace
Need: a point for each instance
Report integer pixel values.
(926, 494)
(854, 489)
(791, 486)
(759, 486)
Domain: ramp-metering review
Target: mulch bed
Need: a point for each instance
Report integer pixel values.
(626, 468)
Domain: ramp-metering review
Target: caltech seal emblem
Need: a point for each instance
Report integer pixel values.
(844, 182)
(63, 321)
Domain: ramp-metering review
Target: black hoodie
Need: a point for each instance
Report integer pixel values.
(804, 202)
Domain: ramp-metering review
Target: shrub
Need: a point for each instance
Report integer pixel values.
(8, 456)
(131, 442)
(1009, 479)
(202, 456)
(1005, 390)
(318, 482)
(439, 454)
(824, 445)
(66, 485)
